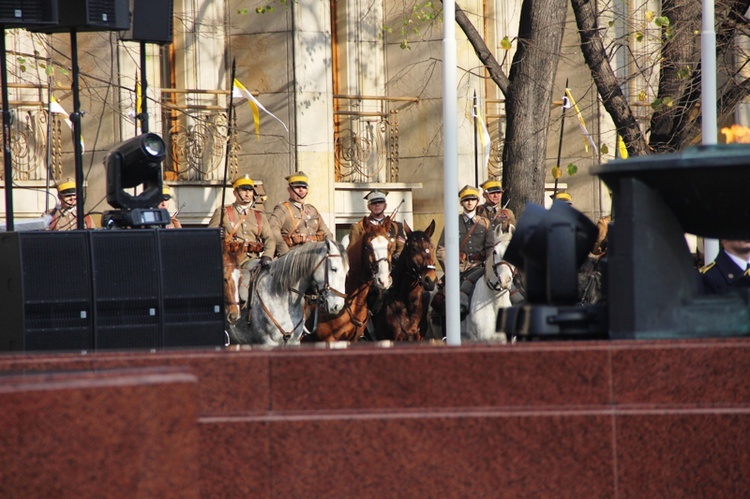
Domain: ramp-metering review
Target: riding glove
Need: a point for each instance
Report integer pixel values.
(265, 262)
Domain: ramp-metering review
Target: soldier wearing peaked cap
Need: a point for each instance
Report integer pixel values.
(245, 228)
(475, 235)
(377, 205)
(174, 223)
(564, 197)
(730, 269)
(65, 216)
(492, 209)
(295, 222)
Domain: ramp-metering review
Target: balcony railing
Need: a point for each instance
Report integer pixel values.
(366, 137)
(195, 130)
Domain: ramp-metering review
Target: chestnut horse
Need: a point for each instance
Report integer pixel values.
(404, 312)
(369, 263)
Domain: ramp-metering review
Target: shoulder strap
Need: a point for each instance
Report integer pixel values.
(259, 219)
(236, 226)
(708, 267)
(291, 216)
(467, 236)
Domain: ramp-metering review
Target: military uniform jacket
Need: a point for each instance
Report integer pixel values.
(246, 229)
(66, 219)
(497, 215)
(474, 243)
(395, 233)
(293, 224)
(721, 275)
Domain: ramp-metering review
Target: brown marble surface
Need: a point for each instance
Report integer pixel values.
(569, 419)
(127, 432)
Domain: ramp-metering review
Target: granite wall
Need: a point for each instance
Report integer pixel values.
(578, 419)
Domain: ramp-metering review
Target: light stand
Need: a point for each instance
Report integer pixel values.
(7, 157)
(143, 116)
(75, 118)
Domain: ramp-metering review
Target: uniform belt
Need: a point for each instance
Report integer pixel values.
(477, 257)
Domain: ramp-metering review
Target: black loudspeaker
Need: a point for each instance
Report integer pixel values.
(151, 21)
(45, 291)
(192, 287)
(111, 289)
(23, 13)
(126, 289)
(89, 15)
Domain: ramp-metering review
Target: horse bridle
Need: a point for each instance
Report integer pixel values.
(319, 297)
(495, 265)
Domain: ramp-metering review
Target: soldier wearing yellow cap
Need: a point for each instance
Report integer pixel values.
(245, 228)
(377, 206)
(174, 223)
(564, 197)
(492, 209)
(475, 239)
(295, 222)
(65, 215)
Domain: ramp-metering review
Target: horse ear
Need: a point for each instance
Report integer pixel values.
(407, 229)
(430, 228)
(387, 223)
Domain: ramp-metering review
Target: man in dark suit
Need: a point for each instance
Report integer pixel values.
(731, 268)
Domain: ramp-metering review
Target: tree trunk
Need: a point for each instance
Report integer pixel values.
(680, 53)
(613, 99)
(529, 100)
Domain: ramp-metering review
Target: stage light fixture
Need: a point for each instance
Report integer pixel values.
(136, 164)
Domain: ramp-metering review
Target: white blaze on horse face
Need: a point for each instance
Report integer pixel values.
(233, 303)
(337, 268)
(382, 273)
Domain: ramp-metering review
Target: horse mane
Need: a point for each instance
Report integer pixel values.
(297, 265)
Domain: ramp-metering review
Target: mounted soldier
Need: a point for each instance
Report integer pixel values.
(174, 223)
(475, 234)
(377, 205)
(64, 216)
(492, 209)
(295, 222)
(245, 229)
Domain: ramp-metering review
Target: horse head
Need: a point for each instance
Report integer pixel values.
(498, 272)
(378, 251)
(420, 255)
(232, 275)
(330, 277)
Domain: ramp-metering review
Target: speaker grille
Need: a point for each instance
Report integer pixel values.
(57, 290)
(126, 289)
(25, 12)
(192, 285)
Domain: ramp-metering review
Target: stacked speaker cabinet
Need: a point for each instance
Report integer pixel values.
(22, 13)
(89, 15)
(111, 289)
(126, 289)
(192, 287)
(45, 291)
(151, 21)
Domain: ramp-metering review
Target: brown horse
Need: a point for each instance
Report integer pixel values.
(403, 316)
(369, 264)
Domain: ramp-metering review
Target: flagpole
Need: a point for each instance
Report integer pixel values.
(709, 128)
(450, 175)
(476, 148)
(229, 138)
(49, 144)
(559, 145)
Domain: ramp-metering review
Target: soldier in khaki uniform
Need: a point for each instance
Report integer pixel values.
(377, 206)
(295, 222)
(492, 209)
(244, 227)
(64, 217)
(174, 223)
(475, 237)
